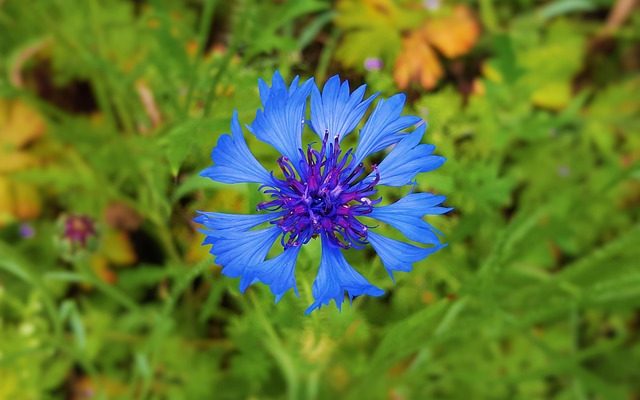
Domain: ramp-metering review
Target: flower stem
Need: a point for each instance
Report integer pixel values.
(275, 346)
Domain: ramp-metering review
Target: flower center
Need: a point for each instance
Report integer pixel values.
(323, 196)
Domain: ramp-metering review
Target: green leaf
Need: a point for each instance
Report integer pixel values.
(180, 141)
(562, 7)
(549, 80)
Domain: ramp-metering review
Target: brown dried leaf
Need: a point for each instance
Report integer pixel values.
(120, 216)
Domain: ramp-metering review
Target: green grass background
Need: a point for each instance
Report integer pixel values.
(537, 295)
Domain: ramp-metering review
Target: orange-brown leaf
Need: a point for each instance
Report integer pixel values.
(455, 34)
(418, 62)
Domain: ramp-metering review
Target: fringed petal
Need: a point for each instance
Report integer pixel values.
(397, 255)
(406, 216)
(233, 222)
(233, 161)
(280, 121)
(407, 159)
(235, 251)
(383, 126)
(336, 110)
(335, 277)
(277, 273)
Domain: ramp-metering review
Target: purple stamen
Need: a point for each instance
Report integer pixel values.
(324, 199)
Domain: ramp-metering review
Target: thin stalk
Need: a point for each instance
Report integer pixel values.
(109, 85)
(277, 350)
(164, 234)
(203, 33)
(224, 64)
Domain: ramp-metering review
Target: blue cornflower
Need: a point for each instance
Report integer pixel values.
(322, 192)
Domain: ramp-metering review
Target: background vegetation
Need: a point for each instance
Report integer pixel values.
(109, 108)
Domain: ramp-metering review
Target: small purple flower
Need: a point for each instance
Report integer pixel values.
(564, 171)
(78, 229)
(432, 5)
(323, 192)
(373, 64)
(26, 230)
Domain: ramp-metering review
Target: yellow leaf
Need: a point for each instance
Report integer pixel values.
(551, 65)
(417, 63)
(366, 13)
(554, 95)
(18, 201)
(491, 73)
(6, 201)
(196, 252)
(117, 248)
(453, 35)
(19, 124)
(100, 266)
(16, 161)
(27, 201)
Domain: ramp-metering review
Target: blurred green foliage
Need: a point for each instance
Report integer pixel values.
(110, 108)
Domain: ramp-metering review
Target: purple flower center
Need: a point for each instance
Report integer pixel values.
(322, 197)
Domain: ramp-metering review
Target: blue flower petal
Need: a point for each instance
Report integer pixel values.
(383, 126)
(277, 273)
(336, 110)
(407, 159)
(281, 120)
(233, 222)
(397, 255)
(277, 84)
(264, 89)
(406, 216)
(235, 251)
(335, 276)
(232, 160)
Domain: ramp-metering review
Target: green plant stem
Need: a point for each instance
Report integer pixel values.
(163, 326)
(275, 346)
(222, 68)
(103, 75)
(203, 32)
(166, 239)
(313, 381)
